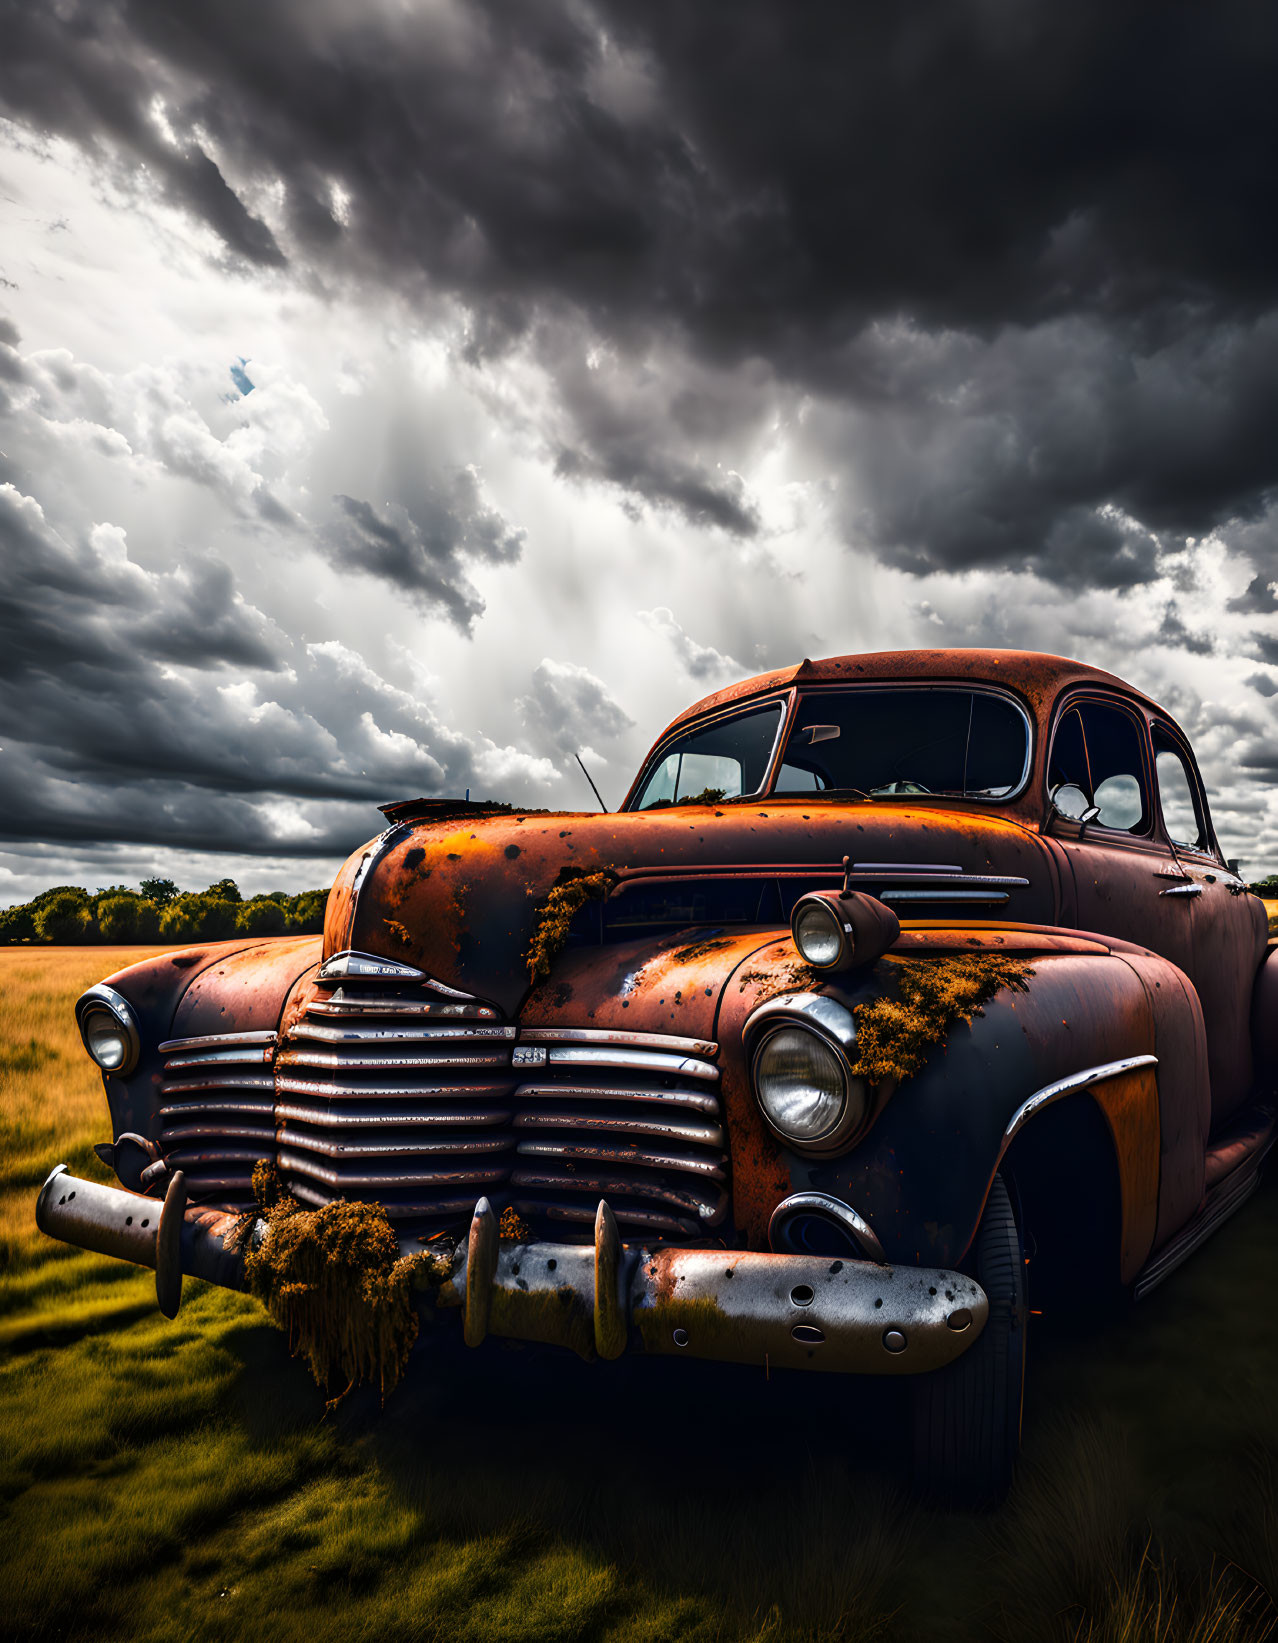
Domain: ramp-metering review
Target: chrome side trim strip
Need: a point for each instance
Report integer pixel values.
(1067, 1086)
(881, 868)
(984, 897)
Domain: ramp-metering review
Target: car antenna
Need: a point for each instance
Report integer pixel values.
(593, 788)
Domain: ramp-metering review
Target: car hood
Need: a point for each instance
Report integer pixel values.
(460, 897)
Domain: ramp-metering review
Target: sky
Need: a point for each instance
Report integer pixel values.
(397, 398)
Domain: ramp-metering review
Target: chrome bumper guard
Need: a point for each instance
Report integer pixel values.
(782, 1311)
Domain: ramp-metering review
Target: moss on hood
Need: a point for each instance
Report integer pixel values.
(925, 998)
(574, 889)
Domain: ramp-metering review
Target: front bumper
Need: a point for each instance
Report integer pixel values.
(788, 1311)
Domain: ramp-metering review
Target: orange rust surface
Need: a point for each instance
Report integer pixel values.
(639, 986)
(924, 937)
(1130, 1105)
(467, 896)
(760, 1174)
(244, 990)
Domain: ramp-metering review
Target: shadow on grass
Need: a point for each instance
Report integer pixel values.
(183, 1480)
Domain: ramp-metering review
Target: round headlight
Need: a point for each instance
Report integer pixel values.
(105, 1039)
(817, 934)
(800, 1083)
(109, 1029)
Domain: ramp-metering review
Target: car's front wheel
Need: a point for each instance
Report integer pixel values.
(967, 1417)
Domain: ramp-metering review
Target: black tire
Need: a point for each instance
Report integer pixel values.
(967, 1417)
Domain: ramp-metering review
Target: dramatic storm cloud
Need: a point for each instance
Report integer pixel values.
(403, 399)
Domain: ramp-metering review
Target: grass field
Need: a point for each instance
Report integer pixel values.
(179, 1480)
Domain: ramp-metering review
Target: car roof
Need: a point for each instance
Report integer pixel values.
(1032, 674)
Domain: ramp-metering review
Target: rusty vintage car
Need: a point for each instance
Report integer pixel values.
(899, 986)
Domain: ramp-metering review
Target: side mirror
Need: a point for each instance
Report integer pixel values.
(1069, 800)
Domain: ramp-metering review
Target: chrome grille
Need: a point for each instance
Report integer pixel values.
(426, 1105)
(217, 1111)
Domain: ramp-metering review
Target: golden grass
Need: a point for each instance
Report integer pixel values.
(181, 1480)
(1271, 908)
(52, 1105)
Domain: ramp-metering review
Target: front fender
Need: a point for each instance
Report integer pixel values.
(921, 1175)
(226, 986)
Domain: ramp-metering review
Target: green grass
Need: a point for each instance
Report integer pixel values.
(180, 1480)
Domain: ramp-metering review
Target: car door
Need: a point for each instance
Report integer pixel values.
(1228, 940)
(1127, 882)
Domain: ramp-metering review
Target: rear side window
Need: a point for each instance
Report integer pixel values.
(1177, 795)
(1096, 766)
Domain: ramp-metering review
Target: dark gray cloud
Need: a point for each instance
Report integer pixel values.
(424, 548)
(159, 707)
(1067, 204)
(1266, 646)
(998, 280)
(1259, 598)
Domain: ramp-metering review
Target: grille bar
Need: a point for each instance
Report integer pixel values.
(398, 1116)
(285, 1085)
(371, 1062)
(670, 1129)
(382, 1147)
(668, 1042)
(217, 1041)
(394, 1033)
(342, 1180)
(649, 1061)
(698, 1100)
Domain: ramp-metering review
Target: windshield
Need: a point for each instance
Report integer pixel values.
(891, 743)
(722, 760)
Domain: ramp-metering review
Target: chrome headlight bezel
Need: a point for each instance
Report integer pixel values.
(817, 914)
(105, 1001)
(832, 1025)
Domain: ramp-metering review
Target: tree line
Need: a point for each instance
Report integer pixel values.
(159, 911)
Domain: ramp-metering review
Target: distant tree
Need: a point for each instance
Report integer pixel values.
(306, 913)
(198, 918)
(17, 924)
(160, 891)
(262, 916)
(64, 915)
(128, 918)
(224, 890)
(44, 896)
(1267, 887)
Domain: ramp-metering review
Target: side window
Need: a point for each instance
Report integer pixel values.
(1182, 817)
(1096, 772)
